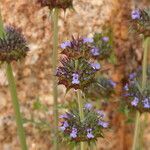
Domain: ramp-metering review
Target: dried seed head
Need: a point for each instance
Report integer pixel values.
(88, 130)
(13, 46)
(60, 4)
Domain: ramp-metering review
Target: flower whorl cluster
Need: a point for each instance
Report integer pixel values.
(88, 129)
(60, 4)
(78, 69)
(13, 46)
(136, 97)
(76, 74)
(102, 87)
(141, 21)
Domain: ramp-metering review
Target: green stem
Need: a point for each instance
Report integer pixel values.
(81, 113)
(14, 97)
(16, 107)
(136, 141)
(54, 59)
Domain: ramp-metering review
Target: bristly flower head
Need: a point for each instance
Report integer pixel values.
(88, 129)
(77, 48)
(60, 4)
(13, 46)
(102, 87)
(76, 74)
(136, 97)
(140, 21)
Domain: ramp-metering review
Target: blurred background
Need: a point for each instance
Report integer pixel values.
(33, 75)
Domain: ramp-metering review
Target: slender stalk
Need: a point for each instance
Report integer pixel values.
(16, 107)
(54, 59)
(136, 142)
(81, 113)
(13, 92)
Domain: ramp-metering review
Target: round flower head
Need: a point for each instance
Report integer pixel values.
(88, 129)
(13, 46)
(101, 47)
(102, 87)
(140, 21)
(77, 48)
(135, 97)
(60, 4)
(75, 74)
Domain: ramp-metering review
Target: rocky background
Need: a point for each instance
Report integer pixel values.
(34, 74)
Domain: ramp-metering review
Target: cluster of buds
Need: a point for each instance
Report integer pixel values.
(60, 4)
(13, 45)
(135, 96)
(141, 21)
(76, 73)
(102, 87)
(88, 129)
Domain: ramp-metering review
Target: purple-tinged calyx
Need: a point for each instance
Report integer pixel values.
(73, 133)
(90, 134)
(88, 40)
(132, 76)
(63, 116)
(105, 38)
(136, 14)
(103, 124)
(96, 66)
(88, 106)
(135, 101)
(65, 44)
(75, 78)
(95, 51)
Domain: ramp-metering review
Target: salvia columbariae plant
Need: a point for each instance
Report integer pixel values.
(136, 97)
(59, 4)
(88, 130)
(140, 22)
(13, 47)
(137, 91)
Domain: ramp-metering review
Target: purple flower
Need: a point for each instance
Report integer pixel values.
(65, 125)
(126, 87)
(75, 78)
(63, 116)
(112, 83)
(88, 40)
(135, 101)
(65, 44)
(88, 106)
(132, 76)
(103, 124)
(146, 103)
(96, 66)
(101, 113)
(73, 133)
(95, 51)
(89, 133)
(135, 14)
(105, 38)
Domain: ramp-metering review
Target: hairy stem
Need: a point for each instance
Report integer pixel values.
(136, 141)
(19, 121)
(81, 113)
(54, 59)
